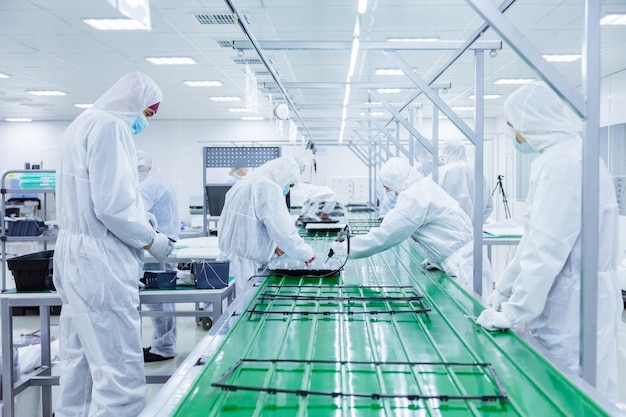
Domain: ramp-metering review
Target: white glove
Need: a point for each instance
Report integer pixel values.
(340, 249)
(495, 300)
(427, 265)
(161, 247)
(152, 220)
(493, 320)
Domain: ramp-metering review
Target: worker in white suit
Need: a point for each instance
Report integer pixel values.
(456, 177)
(426, 212)
(159, 199)
(541, 286)
(255, 222)
(316, 198)
(99, 253)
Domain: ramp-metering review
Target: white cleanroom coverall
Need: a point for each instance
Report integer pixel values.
(456, 178)
(255, 221)
(98, 255)
(541, 286)
(159, 198)
(430, 215)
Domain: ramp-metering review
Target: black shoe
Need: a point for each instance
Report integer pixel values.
(153, 357)
(146, 350)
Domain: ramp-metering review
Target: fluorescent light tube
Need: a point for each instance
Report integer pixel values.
(514, 81)
(17, 119)
(562, 57)
(203, 83)
(171, 60)
(115, 24)
(224, 98)
(614, 19)
(46, 93)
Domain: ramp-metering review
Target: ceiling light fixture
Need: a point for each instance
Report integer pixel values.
(252, 118)
(487, 96)
(17, 119)
(362, 6)
(203, 83)
(46, 93)
(389, 90)
(225, 98)
(383, 71)
(4, 75)
(238, 110)
(462, 108)
(562, 57)
(412, 39)
(171, 60)
(514, 81)
(614, 19)
(353, 56)
(115, 24)
(83, 106)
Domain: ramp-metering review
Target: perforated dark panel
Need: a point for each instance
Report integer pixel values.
(242, 156)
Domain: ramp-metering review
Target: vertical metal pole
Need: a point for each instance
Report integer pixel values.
(398, 139)
(435, 173)
(205, 225)
(479, 129)
(411, 138)
(6, 318)
(46, 390)
(589, 193)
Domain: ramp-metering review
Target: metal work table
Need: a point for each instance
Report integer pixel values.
(42, 376)
(490, 241)
(312, 351)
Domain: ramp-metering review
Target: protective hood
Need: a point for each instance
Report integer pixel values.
(128, 97)
(301, 163)
(283, 171)
(540, 116)
(452, 150)
(146, 168)
(397, 175)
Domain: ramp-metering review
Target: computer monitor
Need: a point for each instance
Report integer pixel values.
(215, 194)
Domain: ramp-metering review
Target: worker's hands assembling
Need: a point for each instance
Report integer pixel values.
(495, 300)
(493, 320)
(161, 247)
(340, 249)
(152, 220)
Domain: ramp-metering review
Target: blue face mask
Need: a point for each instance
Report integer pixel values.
(522, 147)
(286, 190)
(139, 124)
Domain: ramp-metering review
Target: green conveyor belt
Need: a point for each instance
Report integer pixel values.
(378, 355)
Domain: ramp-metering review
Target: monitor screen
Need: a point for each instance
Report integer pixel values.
(214, 197)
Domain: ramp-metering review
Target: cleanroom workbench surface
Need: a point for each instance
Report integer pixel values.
(360, 345)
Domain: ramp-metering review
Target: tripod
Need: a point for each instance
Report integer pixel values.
(500, 187)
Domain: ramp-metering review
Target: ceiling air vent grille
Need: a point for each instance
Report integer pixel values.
(249, 61)
(260, 73)
(215, 19)
(226, 44)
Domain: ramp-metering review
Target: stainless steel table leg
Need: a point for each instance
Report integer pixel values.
(7, 358)
(46, 360)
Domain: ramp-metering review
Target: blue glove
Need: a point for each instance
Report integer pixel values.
(493, 320)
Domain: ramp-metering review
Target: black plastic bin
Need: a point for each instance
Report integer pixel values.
(159, 280)
(32, 272)
(25, 227)
(211, 274)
